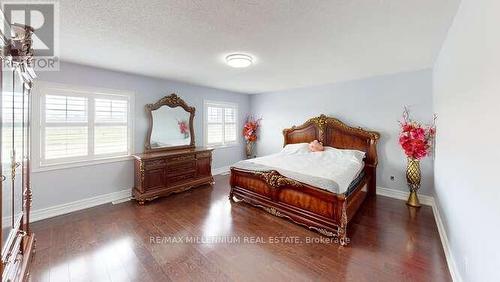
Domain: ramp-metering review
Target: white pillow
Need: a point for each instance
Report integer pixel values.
(346, 153)
(297, 148)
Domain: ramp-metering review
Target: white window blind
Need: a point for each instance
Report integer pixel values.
(65, 133)
(78, 125)
(110, 126)
(220, 123)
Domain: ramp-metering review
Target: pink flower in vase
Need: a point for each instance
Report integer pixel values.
(416, 139)
(183, 128)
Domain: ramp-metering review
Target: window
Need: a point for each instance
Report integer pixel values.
(82, 124)
(221, 123)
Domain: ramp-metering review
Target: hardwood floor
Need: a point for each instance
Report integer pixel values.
(389, 242)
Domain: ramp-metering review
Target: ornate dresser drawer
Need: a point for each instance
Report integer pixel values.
(204, 155)
(152, 164)
(163, 173)
(186, 176)
(189, 157)
(181, 167)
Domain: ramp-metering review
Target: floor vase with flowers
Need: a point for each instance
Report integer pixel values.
(416, 140)
(250, 133)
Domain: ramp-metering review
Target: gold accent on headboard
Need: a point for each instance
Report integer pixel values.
(322, 120)
(333, 132)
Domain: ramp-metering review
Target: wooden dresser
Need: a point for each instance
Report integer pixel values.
(162, 173)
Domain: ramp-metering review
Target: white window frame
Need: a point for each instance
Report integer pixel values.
(224, 144)
(43, 88)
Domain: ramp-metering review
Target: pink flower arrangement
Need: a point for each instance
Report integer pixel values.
(416, 139)
(250, 129)
(183, 128)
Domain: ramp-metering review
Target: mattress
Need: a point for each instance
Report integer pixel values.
(333, 170)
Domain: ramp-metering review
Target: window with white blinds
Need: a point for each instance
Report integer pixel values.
(66, 130)
(78, 125)
(220, 123)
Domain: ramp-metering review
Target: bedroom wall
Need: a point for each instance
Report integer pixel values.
(466, 96)
(374, 103)
(62, 186)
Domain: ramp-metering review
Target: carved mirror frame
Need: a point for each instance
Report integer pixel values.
(172, 101)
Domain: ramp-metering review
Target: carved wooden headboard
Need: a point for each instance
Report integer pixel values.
(334, 133)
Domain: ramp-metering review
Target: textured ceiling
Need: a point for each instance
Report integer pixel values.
(296, 42)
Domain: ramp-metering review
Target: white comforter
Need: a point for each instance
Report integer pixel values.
(338, 166)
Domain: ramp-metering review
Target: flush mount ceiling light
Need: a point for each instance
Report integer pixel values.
(239, 60)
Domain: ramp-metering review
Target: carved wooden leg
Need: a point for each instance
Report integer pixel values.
(342, 230)
(140, 202)
(343, 240)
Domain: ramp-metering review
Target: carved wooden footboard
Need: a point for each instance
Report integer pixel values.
(317, 209)
(314, 208)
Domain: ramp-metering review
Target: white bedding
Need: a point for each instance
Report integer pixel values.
(338, 166)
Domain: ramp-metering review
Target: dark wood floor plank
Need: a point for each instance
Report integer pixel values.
(389, 241)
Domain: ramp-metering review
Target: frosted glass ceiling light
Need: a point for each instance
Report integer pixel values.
(239, 60)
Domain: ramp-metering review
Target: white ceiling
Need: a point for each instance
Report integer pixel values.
(296, 42)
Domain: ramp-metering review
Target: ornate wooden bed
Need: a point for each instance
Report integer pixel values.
(317, 209)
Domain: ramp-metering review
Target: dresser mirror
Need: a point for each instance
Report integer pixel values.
(170, 124)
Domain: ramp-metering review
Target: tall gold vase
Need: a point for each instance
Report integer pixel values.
(413, 176)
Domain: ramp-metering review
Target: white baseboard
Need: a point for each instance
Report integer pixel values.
(220, 170)
(115, 198)
(429, 201)
(403, 195)
(78, 205)
(452, 266)
(7, 220)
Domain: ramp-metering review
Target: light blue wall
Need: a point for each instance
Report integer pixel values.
(467, 96)
(66, 185)
(374, 103)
